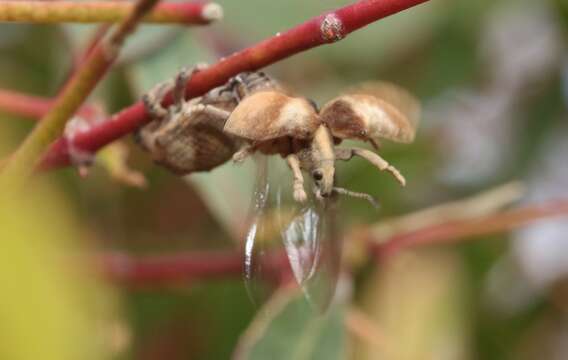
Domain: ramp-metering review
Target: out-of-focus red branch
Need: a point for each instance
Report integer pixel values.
(194, 13)
(30, 106)
(24, 105)
(181, 267)
(465, 229)
(164, 269)
(324, 29)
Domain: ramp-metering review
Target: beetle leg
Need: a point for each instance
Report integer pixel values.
(210, 110)
(152, 101)
(238, 80)
(180, 83)
(216, 112)
(373, 158)
(294, 164)
(243, 153)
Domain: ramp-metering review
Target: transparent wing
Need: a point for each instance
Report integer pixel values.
(263, 255)
(313, 246)
(255, 245)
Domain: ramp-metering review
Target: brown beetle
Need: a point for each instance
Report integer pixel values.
(188, 136)
(271, 121)
(252, 113)
(274, 122)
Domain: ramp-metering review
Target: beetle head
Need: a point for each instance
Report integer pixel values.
(323, 157)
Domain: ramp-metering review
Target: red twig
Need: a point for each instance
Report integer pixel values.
(464, 229)
(166, 269)
(189, 13)
(24, 105)
(181, 267)
(324, 29)
(33, 107)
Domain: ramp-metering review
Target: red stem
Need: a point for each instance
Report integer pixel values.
(166, 269)
(181, 267)
(324, 29)
(33, 107)
(459, 230)
(24, 105)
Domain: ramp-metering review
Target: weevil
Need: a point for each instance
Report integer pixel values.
(188, 135)
(274, 122)
(252, 112)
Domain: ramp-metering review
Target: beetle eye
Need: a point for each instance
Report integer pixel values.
(317, 175)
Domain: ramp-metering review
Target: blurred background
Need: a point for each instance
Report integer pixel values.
(493, 80)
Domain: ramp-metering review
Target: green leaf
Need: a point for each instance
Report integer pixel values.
(287, 328)
(52, 307)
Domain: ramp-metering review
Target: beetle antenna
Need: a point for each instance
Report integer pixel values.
(358, 195)
(376, 145)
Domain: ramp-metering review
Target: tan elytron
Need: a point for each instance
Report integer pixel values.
(372, 111)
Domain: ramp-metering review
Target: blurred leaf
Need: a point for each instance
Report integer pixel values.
(181, 51)
(51, 305)
(418, 301)
(227, 190)
(178, 323)
(287, 328)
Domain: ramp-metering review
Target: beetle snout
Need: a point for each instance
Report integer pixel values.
(323, 179)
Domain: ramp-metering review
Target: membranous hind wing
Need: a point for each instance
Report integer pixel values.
(313, 245)
(372, 111)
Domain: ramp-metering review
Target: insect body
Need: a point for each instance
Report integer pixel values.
(273, 122)
(252, 114)
(188, 136)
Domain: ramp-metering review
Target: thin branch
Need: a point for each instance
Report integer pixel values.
(454, 231)
(324, 29)
(30, 106)
(95, 38)
(74, 93)
(181, 267)
(24, 105)
(488, 202)
(45, 12)
(166, 269)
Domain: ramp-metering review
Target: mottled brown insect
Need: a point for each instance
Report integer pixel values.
(188, 136)
(273, 122)
(252, 112)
